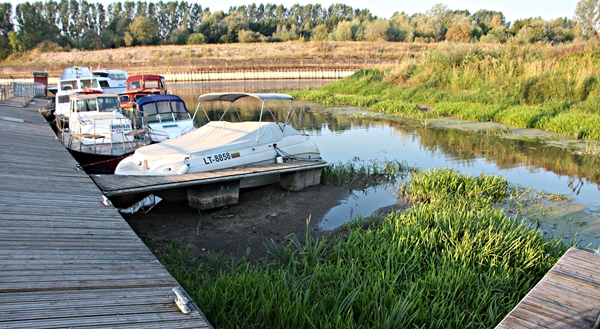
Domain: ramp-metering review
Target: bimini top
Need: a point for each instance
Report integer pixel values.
(158, 98)
(232, 97)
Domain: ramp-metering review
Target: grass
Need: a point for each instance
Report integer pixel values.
(453, 259)
(530, 86)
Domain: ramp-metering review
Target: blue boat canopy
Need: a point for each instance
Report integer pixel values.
(158, 98)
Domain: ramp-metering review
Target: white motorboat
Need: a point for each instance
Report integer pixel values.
(168, 117)
(74, 80)
(223, 144)
(97, 133)
(111, 81)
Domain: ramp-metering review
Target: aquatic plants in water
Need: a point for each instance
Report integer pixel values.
(453, 259)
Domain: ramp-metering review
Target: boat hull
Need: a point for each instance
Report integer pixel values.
(93, 163)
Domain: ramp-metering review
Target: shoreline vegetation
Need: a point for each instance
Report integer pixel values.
(549, 88)
(459, 255)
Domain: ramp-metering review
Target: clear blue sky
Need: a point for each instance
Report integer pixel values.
(512, 9)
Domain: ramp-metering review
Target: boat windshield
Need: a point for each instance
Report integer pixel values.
(165, 111)
(101, 104)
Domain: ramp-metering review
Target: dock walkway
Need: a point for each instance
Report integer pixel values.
(567, 296)
(66, 259)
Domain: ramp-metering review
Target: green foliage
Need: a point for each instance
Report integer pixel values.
(196, 39)
(450, 261)
(524, 86)
(576, 124)
(524, 116)
(144, 31)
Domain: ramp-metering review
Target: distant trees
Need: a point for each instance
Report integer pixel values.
(588, 15)
(66, 24)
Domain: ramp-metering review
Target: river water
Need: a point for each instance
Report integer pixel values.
(346, 134)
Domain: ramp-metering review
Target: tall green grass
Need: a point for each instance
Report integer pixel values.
(452, 260)
(531, 86)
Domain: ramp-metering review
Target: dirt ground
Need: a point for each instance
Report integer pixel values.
(262, 214)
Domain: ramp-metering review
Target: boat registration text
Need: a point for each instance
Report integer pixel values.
(221, 157)
(120, 127)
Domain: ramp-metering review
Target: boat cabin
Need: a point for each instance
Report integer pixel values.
(138, 86)
(98, 102)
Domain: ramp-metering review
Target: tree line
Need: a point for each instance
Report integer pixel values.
(72, 24)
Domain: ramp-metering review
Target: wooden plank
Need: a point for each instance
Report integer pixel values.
(567, 296)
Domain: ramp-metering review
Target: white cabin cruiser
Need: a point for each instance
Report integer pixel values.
(222, 144)
(111, 81)
(97, 133)
(74, 80)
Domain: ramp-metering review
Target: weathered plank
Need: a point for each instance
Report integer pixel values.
(566, 297)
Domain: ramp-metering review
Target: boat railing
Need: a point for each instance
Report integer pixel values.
(74, 137)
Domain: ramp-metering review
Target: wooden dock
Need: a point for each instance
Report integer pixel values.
(567, 297)
(67, 260)
(294, 175)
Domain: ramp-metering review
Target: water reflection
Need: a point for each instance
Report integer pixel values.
(343, 134)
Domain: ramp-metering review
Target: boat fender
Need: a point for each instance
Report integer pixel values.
(184, 169)
(278, 158)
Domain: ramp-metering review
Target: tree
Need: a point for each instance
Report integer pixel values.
(377, 30)
(320, 32)
(459, 32)
(343, 31)
(144, 31)
(5, 24)
(33, 27)
(587, 14)
(196, 39)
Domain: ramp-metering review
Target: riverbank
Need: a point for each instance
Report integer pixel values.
(219, 58)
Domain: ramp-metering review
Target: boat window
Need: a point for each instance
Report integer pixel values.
(137, 97)
(181, 112)
(134, 84)
(164, 110)
(152, 84)
(66, 85)
(150, 110)
(117, 76)
(88, 83)
(63, 99)
(92, 105)
(104, 84)
(108, 104)
(79, 105)
(124, 99)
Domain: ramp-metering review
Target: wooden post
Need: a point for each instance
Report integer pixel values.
(214, 195)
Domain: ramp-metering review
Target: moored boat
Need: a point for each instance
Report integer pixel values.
(167, 116)
(111, 81)
(223, 144)
(138, 86)
(74, 79)
(98, 134)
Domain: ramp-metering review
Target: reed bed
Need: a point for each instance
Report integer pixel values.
(378, 172)
(530, 86)
(454, 259)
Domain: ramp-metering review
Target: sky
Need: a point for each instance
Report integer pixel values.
(512, 9)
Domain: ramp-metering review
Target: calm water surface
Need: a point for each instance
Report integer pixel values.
(343, 135)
